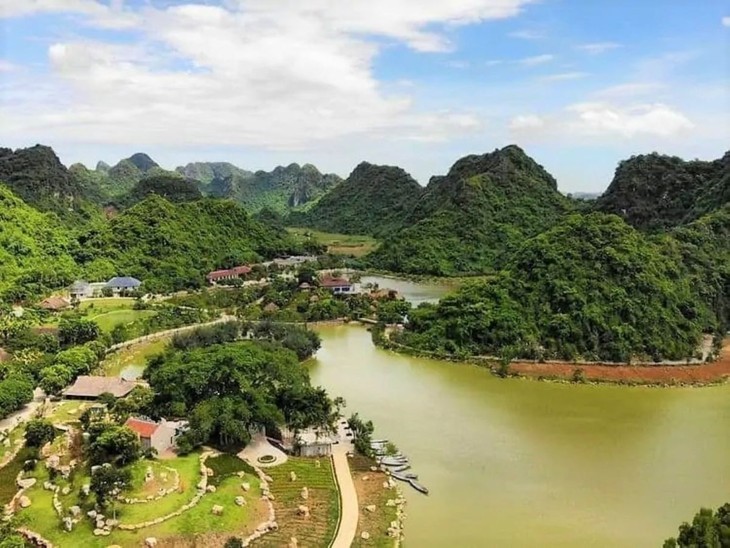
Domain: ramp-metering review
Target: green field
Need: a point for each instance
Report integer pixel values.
(323, 503)
(339, 244)
(106, 304)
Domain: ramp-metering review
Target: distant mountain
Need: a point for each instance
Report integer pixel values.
(141, 161)
(282, 189)
(653, 191)
(472, 219)
(584, 195)
(38, 177)
(372, 200)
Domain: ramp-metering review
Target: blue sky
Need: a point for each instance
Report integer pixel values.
(579, 85)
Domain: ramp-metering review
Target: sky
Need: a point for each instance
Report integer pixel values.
(579, 84)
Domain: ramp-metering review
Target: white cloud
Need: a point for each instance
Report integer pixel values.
(526, 122)
(7, 66)
(726, 21)
(537, 60)
(598, 47)
(527, 34)
(604, 120)
(560, 77)
(650, 119)
(271, 73)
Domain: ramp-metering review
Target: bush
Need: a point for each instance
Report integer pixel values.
(38, 432)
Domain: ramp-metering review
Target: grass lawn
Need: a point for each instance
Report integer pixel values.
(339, 244)
(134, 356)
(372, 492)
(109, 320)
(67, 411)
(196, 527)
(15, 436)
(98, 306)
(9, 472)
(323, 503)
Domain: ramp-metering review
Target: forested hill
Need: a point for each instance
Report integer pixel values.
(38, 177)
(655, 192)
(172, 187)
(373, 200)
(475, 217)
(592, 287)
(284, 188)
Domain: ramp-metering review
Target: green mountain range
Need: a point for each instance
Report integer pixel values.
(374, 200)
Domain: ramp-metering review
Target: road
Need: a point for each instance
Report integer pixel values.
(349, 510)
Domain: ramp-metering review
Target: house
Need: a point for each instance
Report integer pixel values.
(338, 286)
(294, 261)
(311, 443)
(55, 304)
(155, 435)
(89, 387)
(118, 284)
(80, 289)
(228, 274)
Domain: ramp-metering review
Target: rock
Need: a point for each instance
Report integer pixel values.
(317, 463)
(245, 486)
(24, 502)
(385, 485)
(240, 501)
(98, 532)
(305, 493)
(209, 472)
(95, 468)
(68, 524)
(271, 496)
(268, 478)
(150, 542)
(390, 502)
(365, 535)
(293, 475)
(163, 476)
(365, 478)
(210, 489)
(91, 514)
(6, 442)
(303, 511)
(112, 522)
(293, 543)
(373, 468)
(26, 483)
(217, 510)
(370, 508)
(65, 471)
(75, 511)
(66, 490)
(86, 489)
(241, 474)
(48, 486)
(53, 461)
(99, 523)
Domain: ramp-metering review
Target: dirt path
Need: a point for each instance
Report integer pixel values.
(644, 374)
(349, 510)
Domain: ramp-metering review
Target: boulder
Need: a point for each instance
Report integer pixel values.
(240, 501)
(373, 468)
(365, 478)
(98, 532)
(210, 489)
(26, 483)
(68, 524)
(75, 511)
(66, 490)
(48, 486)
(86, 489)
(209, 472)
(390, 502)
(53, 461)
(245, 486)
(95, 468)
(241, 474)
(91, 514)
(268, 478)
(305, 493)
(150, 542)
(365, 535)
(293, 475)
(303, 511)
(217, 510)
(370, 508)
(24, 502)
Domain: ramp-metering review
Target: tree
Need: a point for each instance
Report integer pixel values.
(10, 324)
(55, 378)
(38, 432)
(233, 542)
(77, 331)
(107, 481)
(708, 529)
(393, 311)
(115, 443)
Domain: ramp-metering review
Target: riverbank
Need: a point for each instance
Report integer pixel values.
(659, 375)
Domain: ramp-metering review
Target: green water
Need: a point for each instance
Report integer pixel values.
(524, 463)
(414, 292)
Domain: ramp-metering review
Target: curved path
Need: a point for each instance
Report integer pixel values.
(349, 509)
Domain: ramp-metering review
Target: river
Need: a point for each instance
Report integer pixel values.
(514, 462)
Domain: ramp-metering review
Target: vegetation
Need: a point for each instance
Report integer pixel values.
(473, 219)
(373, 200)
(38, 432)
(592, 287)
(172, 187)
(654, 192)
(709, 529)
(336, 244)
(362, 433)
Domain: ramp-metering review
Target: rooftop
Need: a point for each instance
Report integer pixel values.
(124, 281)
(55, 303)
(329, 281)
(144, 428)
(87, 386)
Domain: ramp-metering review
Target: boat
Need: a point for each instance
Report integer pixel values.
(410, 476)
(393, 461)
(418, 487)
(402, 468)
(401, 477)
(379, 442)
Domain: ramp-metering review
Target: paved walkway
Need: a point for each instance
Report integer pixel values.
(350, 509)
(260, 446)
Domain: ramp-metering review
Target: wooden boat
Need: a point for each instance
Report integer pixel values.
(410, 476)
(402, 468)
(400, 477)
(378, 442)
(393, 461)
(418, 487)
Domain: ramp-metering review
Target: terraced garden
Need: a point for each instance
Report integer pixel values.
(319, 528)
